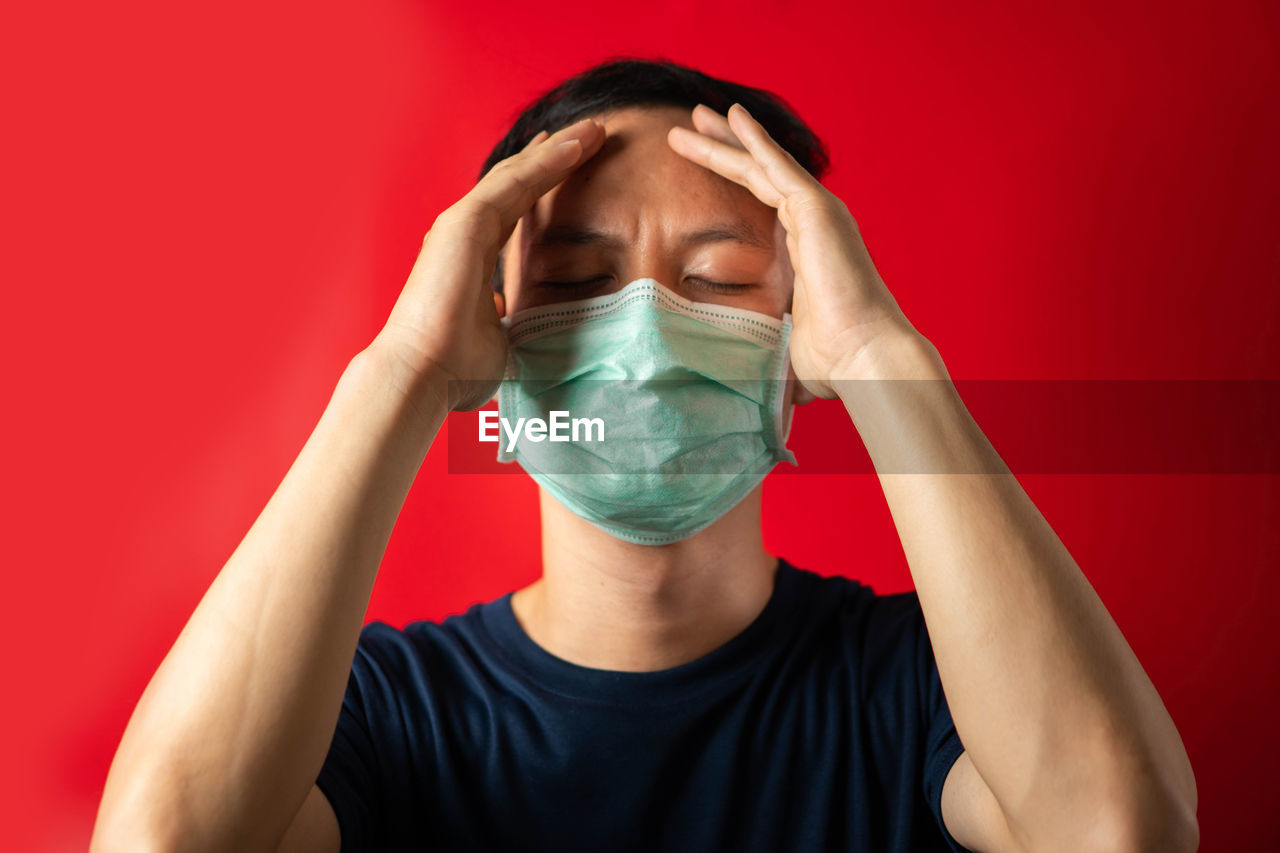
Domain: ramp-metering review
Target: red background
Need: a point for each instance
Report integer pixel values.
(208, 210)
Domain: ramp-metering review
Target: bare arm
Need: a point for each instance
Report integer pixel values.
(231, 732)
(1058, 717)
(224, 747)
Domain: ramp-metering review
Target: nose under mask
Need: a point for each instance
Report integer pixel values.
(670, 411)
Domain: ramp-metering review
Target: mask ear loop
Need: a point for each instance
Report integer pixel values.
(784, 453)
(505, 406)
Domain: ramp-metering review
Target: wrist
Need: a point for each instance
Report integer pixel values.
(423, 388)
(899, 352)
(908, 413)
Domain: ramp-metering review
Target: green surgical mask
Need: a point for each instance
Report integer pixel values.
(688, 397)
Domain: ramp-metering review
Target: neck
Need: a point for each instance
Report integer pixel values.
(609, 604)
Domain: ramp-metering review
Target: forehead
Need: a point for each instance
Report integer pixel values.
(637, 185)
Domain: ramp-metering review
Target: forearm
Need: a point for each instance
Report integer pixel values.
(1054, 709)
(232, 730)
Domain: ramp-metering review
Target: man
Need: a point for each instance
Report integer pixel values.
(666, 683)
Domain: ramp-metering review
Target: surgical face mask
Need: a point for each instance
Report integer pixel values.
(671, 411)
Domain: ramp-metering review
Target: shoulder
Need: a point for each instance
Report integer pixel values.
(881, 637)
(389, 659)
(862, 614)
(380, 637)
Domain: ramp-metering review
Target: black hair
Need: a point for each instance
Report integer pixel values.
(623, 81)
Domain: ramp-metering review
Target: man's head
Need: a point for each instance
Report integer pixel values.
(637, 208)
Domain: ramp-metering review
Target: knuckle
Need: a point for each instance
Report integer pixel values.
(472, 214)
(503, 165)
(470, 222)
(818, 199)
(527, 187)
(815, 197)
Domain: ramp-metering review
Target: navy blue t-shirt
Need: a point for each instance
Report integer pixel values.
(821, 726)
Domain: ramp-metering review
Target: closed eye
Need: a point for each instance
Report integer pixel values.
(573, 283)
(587, 284)
(574, 288)
(719, 286)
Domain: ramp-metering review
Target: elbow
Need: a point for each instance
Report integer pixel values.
(1164, 828)
(1146, 807)
(111, 837)
(1191, 835)
(130, 818)
(153, 817)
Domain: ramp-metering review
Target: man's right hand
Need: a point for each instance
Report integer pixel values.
(444, 327)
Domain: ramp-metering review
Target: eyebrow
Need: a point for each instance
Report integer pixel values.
(736, 231)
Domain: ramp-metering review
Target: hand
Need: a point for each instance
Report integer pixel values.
(444, 326)
(842, 311)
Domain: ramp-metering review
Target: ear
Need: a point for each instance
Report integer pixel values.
(800, 395)
(500, 303)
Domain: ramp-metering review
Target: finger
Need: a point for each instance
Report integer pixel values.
(783, 170)
(727, 161)
(537, 137)
(512, 186)
(713, 124)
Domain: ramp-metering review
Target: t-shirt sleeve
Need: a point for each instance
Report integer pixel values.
(349, 776)
(942, 744)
